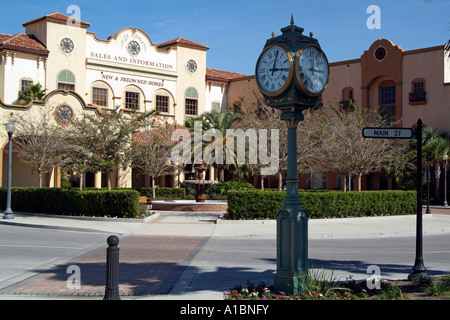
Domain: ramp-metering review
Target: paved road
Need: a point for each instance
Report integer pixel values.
(191, 257)
(23, 250)
(256, 259)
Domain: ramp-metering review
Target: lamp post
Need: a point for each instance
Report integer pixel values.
(428, 190)
(419, 270)
(445, 180)
(10, 130)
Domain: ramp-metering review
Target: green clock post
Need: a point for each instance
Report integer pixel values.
(292, 72)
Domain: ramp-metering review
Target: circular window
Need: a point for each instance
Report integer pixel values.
(64, 114)
(134, 48)
(66, 45)
(191, 66)
(380, 53)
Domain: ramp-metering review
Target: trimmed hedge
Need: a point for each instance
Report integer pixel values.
(256, 204)
(163, 193)
(115, 203)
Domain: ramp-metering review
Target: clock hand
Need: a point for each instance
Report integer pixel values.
(275, 62)
(278, 69)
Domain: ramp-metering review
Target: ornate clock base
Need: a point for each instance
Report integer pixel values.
(292, 249)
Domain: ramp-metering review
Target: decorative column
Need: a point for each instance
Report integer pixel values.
(292, 226)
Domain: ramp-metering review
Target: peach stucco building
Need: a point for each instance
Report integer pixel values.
(406, 85)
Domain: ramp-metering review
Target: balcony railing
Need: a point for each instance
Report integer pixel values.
(418, 96)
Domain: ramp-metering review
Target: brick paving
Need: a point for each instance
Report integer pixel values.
(436, 210)
(146, 263)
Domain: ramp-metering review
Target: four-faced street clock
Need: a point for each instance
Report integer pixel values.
(292, 70)
(282, 57)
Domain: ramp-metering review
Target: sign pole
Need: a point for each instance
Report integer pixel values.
(419, 270)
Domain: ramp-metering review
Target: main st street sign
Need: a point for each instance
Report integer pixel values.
(388, 133)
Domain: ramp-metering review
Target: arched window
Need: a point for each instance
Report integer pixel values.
(162, 99)
(387, 100)
(215, 106)
(191, 104)
(101, 94)
(66, 80)
(134, 98)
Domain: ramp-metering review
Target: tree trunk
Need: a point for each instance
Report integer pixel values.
(345, 182)
(153, 188)
(108, 179)
(359, 182)
(262, 183)
(437, 176)
(40, 178)
(221, 174)
(81, 180)
(280, 181)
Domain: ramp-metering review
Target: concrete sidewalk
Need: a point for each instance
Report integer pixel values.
(168, 250)
(210, 224)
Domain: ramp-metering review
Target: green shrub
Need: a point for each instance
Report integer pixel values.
(123, 203)
(223, 187)
(256, 204)
(163, 193)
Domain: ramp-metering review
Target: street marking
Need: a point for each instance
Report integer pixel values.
(46, 247)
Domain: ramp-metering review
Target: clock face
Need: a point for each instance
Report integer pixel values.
(134, 48)
(274, 70)
(66, 45)
(312, 70)
(191, 66)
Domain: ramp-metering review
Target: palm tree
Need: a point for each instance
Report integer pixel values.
(220, 122)
(435, 146)
(31, 92)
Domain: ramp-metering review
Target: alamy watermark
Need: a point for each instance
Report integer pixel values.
(74, 280)
(373, 281)
(75, 15)
(235, 147)
(374, 20)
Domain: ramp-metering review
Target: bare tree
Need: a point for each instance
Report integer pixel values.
(152, 152)
(261, 117)
(341, 146)
(106, 142)
(38, 141)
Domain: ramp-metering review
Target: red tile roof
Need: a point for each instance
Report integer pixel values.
(221, 75)
(183, 42)
(22, 42)
(58, 17)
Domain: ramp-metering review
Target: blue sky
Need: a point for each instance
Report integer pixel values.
(236, 30)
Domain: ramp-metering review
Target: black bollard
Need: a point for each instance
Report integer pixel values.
(112, 269)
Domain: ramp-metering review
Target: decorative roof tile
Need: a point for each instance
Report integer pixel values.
(58, 17)
(221, 75)
(22, 42)
(183, 42)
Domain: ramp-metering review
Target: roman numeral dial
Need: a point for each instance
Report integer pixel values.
(274, 70)
(312, 70)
